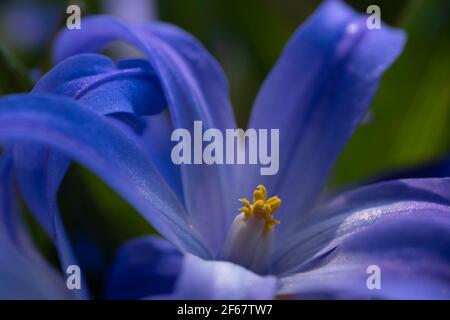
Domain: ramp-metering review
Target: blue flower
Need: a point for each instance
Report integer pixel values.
(111, 117)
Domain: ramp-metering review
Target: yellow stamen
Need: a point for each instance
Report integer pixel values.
(261, 207)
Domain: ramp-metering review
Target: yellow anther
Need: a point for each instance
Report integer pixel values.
(245, 202)
(260, 193)
(261, 207)
(274, 203)
(247, 209)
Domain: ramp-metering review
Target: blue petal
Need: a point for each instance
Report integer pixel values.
(200, 279)
(317, 93)
(39, 173)
(128, 86)
(23, 273)
(23, 278)
(356, 210)
(144, 267)
(93, 141)
(158, 129)
(10, 222)
(410, 251)
(195, 89)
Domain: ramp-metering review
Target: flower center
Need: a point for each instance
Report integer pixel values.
(249, 241)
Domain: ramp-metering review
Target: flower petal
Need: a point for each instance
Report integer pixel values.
(158, 129)
(144, 267)
(356, 210)
(195, 89)
(23, 278)
(10, 222)
(39, 173)
(408, 254)
(316, 95)
(126, 86)
(93, 141)
(23, 273)
(217, 280)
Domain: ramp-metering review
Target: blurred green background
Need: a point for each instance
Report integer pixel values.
(408, 125)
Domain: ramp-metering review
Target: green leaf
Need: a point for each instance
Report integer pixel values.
(411, 111)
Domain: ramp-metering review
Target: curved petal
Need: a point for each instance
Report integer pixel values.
(355, 211)
(93, 141)
(23, 278)
(39, 173)
(10, 222)
(217, 280)
(396, 258)
(23, 273)
(154, 140)
(107, 87)
(128, 86)
(316, 95)
(195, 89)
(144, 267)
